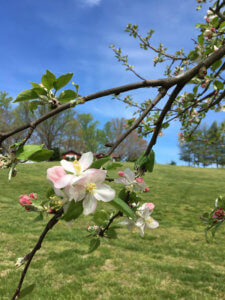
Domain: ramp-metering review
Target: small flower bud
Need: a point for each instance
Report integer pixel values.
(146, 189)
(121, 173)
(139, 179)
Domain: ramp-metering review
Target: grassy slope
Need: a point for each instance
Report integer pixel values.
(171, 262)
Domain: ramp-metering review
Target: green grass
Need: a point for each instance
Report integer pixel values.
(170, 262)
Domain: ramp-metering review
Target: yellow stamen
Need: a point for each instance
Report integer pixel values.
(77, 167)
(150, 220)
(90, 187)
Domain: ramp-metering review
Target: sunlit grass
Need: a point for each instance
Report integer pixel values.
(170, 262)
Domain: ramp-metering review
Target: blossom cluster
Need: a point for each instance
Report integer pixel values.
(80, 183)
(26, 200)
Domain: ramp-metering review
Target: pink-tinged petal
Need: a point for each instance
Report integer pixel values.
(142, 230)
(77, 192)
(150, 205)
(122, 180)
(89, 204)
(129, 175)
(68, 166)
(104, 193)
(86, 160)
(58, 192)
(63, 181)
(140, 222)
(55, 173)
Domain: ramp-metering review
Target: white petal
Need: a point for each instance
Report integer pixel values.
(104, 193)
(151, 223)
(140, 222)
(129, 175)
(122, 180)
(89, 204)
(77, 192)
(67, 165)
(58, 192)
(142, 230)
(86, 160)
(63, 181)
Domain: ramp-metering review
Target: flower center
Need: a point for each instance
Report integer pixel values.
(90, 187)
(77, 167)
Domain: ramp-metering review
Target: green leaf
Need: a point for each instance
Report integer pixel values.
(48, 80)
(123, 207)
(111, 233)
(94, 244)
(216, 65)
(62, 81)
(39, 218)
(50, 192)
(201, 39)
(222, 24)
(27, 290)
(74, 210)
(67, 95)
(34, 104)
(100, 217)
(146, 161)
(218, 85)
(112, 165)
(26, 95)
(34, 84)
(100, 162)
(193, 55)
(26, 151)
(41, 155)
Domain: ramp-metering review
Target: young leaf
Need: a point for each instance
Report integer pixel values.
(123, 207)
(48, 79)
(111, 233)
(218, 85)
(41, 155)
(50, 192)
(26, 151)
(38, 218)
(26, 95)
(67, 95)
(74, 210)
(112, 165)
(94, 244)
(62, 81)
(27, 290)
(100, 162)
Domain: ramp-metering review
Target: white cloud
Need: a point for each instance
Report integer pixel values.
(92, 2)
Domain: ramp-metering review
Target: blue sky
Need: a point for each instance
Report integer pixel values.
(74, 36)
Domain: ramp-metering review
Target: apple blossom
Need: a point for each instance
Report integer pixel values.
(78, 168)
(25, 200)
(130, 181)
(90, 189)
(58, 177)
(121, 174)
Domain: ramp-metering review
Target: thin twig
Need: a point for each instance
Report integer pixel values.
(30, 256)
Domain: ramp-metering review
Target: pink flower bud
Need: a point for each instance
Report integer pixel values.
(121, 173)
(150, 205)
(139, 179)
(33, 196)
(146, 189)
(203, 85)
(50, 211)
(215, 48)
(213, 29)
(25, 200)
(207, 20)
(180, 134)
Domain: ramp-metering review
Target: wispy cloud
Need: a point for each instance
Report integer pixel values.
(92, 2)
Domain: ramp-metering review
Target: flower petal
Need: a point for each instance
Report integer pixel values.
(104, 193)
(77, 193)
(63, 181)
(151, 223)
(129, 175)
(122, 180)
(140, 222)
(86, 160)
(89, 204)
(142, 230)
(67, 165)
(54, 173)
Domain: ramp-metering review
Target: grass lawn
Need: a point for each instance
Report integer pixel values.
(170, 262)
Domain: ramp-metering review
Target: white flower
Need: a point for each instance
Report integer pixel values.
(129, 180)
(78, 168)
(144, 221)
(90, 188)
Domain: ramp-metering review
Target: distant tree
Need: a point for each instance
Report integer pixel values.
(131, 147)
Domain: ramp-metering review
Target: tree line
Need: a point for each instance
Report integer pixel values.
(206, 148)
(69, 130)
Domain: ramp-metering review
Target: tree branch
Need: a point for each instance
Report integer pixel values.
(30, 255)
